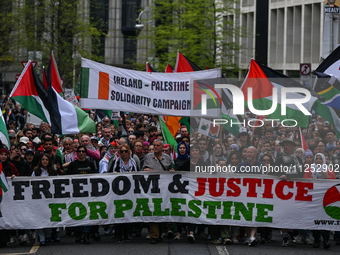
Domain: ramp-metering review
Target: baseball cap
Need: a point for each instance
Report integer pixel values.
(242, 130)
(29, 151)
(24, 139)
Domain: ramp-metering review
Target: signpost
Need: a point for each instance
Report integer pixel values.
(34, 63)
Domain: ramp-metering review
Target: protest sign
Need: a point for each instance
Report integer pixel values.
(215, 199)
(113, 88)
(208, 128)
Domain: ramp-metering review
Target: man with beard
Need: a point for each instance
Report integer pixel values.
(56, 160)
(106, 136)
(157, 162)
(291, 168)
(19, 162)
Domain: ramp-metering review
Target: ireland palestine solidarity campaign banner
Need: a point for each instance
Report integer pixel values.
(113, 88)
(200, 198)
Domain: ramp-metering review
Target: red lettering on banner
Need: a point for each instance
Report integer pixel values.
(201, 187)
(235, 190)
(268, 185)
(302, 191)
(212, 186)
(279, 189)
(252, 186)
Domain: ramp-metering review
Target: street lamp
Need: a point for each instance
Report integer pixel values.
(146, 13)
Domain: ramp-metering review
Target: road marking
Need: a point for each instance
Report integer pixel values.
(222, 250)
(33, 250)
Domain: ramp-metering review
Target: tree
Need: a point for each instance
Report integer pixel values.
(41, 26)
(8, 25)
(203, 30)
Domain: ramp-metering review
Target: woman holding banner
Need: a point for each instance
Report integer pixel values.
(320, 170)
(44, 168)
(124, 164)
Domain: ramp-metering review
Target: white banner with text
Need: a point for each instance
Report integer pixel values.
(188, 197)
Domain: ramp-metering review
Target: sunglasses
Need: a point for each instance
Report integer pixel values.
(124, 151)
(23, 149)
(266, 160)
(81, 151)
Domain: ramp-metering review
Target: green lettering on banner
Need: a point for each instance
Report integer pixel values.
(227, 210)
(262, 211)
(196, 211)
(247, 213)
(176, 207)
(56, 211)
(96, 209)
(82, 211)
(121, 206)
(158, 208)
(212, 208)
(142, 205)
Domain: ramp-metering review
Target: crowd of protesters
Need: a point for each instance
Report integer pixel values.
(138, 145)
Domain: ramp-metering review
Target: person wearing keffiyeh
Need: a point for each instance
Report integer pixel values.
(125, 163)
(103, 164)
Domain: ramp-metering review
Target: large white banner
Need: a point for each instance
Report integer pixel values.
(113, 88)
(200, 198)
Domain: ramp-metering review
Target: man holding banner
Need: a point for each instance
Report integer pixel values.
(157, 161)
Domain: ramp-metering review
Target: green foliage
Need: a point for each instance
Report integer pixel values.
(203, 31)
(43, 26)
(8, 24)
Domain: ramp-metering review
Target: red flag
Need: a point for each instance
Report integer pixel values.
(53, 75)
(149, 68)
(168, 68)
(184, 64)
(303, 141)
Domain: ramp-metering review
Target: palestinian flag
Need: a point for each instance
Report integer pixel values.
(31, 93)
(206, 87)
(303, 141)
(184, 64)
(3, 132)
(232, 126)
(67, 118)
(331, 65)
(53, 75)
(168, 68)
(44, 78)
(331, 202)
(101, 114)
(149, 68)
(262, 80)
(3, 181)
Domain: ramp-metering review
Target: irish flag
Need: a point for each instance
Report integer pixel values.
(31, 93)
(262, 80)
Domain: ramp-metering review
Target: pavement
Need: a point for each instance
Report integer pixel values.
(138, 245)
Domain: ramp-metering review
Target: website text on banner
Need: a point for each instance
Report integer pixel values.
(200, 198)
(112, 88)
